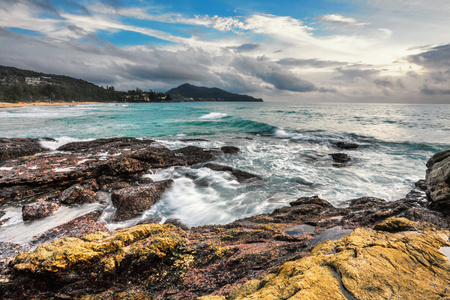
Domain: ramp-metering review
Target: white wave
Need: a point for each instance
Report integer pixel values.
(58, 142)
(283, 134)
(213, 116)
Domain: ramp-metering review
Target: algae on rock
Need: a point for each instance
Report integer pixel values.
(366, 264)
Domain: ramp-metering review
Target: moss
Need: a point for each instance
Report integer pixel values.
(100, 250)
(366, 264)
(396, 225)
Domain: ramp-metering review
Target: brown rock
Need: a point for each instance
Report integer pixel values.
(157, 157)
(230, 149)
(122, 166)
(132, 201)
(191, 155)
(438, 178)
(39, 210)
(78, 194)
(86, 224)
(13, 148)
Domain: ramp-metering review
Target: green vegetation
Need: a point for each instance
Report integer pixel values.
(23, 85)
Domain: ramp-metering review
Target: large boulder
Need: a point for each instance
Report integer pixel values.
(78, 194)
(438, 178)
(13, 148)
(39, 210)
(132, 201)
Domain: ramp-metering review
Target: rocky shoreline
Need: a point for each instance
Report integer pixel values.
(371, 249)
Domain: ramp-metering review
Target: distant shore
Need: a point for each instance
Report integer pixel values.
(21, 104)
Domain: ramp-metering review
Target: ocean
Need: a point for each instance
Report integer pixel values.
(288, 145)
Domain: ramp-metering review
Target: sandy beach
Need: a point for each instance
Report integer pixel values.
(21, 104)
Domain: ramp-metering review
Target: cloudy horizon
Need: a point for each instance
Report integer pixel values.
(288, 51)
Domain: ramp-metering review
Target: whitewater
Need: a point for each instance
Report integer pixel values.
(288, 145)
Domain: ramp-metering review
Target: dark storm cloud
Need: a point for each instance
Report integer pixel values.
(246, 48)
(272, 73)
(386, 83)
(427, 90)
(350, 74)
(436, 57)
(315, 63)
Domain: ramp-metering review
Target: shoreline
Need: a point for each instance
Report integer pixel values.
(24, 104)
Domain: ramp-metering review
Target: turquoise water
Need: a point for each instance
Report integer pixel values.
(288, 145)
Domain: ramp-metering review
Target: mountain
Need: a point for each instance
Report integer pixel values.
(188, 92)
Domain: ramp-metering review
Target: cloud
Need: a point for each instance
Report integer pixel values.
(273, 74)
(312, 62)
(246, 47)
(434, 57)
(350, 74)
(340, 21)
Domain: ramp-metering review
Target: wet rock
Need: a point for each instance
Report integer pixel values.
(330, 234)
(438, 178)
(78, 194)
(230, 149)
(122, 166)
(346, 145)
(85, 224)
(177, 223)
(18, 147)
(157, 157)
(240, 175)
(90, 184)
(132, 201)
(191, 155)
(2, 213)
(402, 263)
(116, 186)
(144, 180)
(101, 145)
(340, 158)
(39, 210)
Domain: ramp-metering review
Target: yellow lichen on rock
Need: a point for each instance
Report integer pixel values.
(106, 249)
(366, 264)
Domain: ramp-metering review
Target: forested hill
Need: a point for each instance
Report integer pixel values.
(23, 85)
(188, 92)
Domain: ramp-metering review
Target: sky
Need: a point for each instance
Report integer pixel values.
(387, 51)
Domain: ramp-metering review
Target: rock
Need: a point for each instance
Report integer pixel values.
(438, 178)
(85, 224)
(39, 210)
(122, 166)
(102, 145)
(241, 176)
(18, 147)
(341, 158)
(396, 225)
(230, 149)
(116, 186)
(406, 266)
(157, 157)
(132, 201)
(191, 155)
(91, 258)
(78, 194)
(177, 223)
(346, 145)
